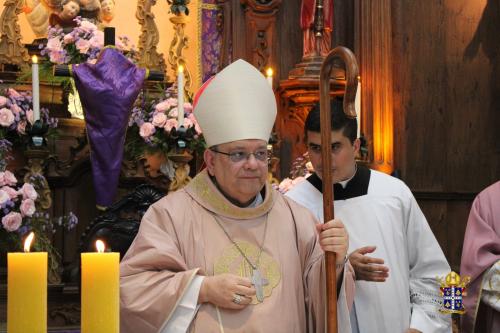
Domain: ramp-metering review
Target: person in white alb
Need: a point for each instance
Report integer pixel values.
(396, 286)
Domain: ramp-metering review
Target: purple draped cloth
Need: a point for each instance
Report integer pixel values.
(107, 91)
(481, 250)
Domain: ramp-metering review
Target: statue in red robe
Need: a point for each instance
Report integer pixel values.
(307, 13)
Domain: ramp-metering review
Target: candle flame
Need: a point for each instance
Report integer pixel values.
(99, 244)
(34, 59)
(180, 69)
(27, 242)
(269, 72)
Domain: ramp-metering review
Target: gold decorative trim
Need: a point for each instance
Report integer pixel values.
(200, 46)
(206, 194)
(231, 261)
(209, 6)
(149, 38)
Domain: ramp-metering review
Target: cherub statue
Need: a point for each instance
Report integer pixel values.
(107, 12)
(38, 12)
(64, 19)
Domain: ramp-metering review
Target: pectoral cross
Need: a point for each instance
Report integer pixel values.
(259, 282)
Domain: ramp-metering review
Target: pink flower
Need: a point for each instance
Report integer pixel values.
(6, 117)
(68, 38)
(87, 26)
(159, 119)
(9, 178)
(188, 123)
(163, 106)
(172, 101)
(3, 100)
(28, 191)
(146, 130)
(97, 41)
(188, 108)
(285, 185)
(171, 123)
(29, 116)
(197, 127)
(10, 191)
(21, 127)
(4, 197)
(12, 221)
(82, 45)
(54, 44)
(27, 208)
(15, 108)
(57, 57)
(173, 113)
(13, 93)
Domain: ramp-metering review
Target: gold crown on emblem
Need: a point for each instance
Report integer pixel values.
(453, 289)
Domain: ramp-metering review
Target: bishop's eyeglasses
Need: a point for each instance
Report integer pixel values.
(237, 156)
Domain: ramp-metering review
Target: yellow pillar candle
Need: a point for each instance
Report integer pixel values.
(100, 291)
(27, 291)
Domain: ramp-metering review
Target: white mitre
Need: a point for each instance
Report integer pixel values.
(236, 104)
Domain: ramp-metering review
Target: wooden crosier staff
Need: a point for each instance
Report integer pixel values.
(109, 39)
(351, 75)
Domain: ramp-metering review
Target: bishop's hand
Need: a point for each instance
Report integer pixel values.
(333, 237)
(226, 291)
(368, 268)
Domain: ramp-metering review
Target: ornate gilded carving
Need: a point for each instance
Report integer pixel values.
(35, 169)
(12, 51)
(149, 38)
(178, 44)
(181, 176)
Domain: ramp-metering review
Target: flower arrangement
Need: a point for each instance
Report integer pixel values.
(19, 216)
(80, 45)
(16, 120)
(301, 169)
(153, 127)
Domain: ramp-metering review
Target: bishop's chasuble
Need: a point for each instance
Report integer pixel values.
(179, 238)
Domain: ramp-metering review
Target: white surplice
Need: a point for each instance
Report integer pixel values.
(387, 216)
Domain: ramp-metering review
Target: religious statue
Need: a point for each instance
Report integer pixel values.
(107, 12)
(307, 14)
(64, 19)
(38, 12)
(89, 10)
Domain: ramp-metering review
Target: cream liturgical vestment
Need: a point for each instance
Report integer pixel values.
(380, 210)
(180, 239)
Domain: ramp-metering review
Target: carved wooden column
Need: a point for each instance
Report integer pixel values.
(12, 51)
(260, 32)
(149, 38)
(374, 50)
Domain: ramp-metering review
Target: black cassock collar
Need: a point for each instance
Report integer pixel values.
(356, 187)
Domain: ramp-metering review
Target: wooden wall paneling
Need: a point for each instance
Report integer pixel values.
(473, 91)
(261, 35)
(289, 39)
(343, 24)
(375, 55)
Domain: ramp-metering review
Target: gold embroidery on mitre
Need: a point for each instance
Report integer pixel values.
(202, 186)
(232, 262)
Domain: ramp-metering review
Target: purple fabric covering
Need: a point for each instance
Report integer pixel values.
(211, 40)
(107, 90)
(481, 250)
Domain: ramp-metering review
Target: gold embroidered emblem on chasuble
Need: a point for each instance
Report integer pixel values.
(232, 262)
